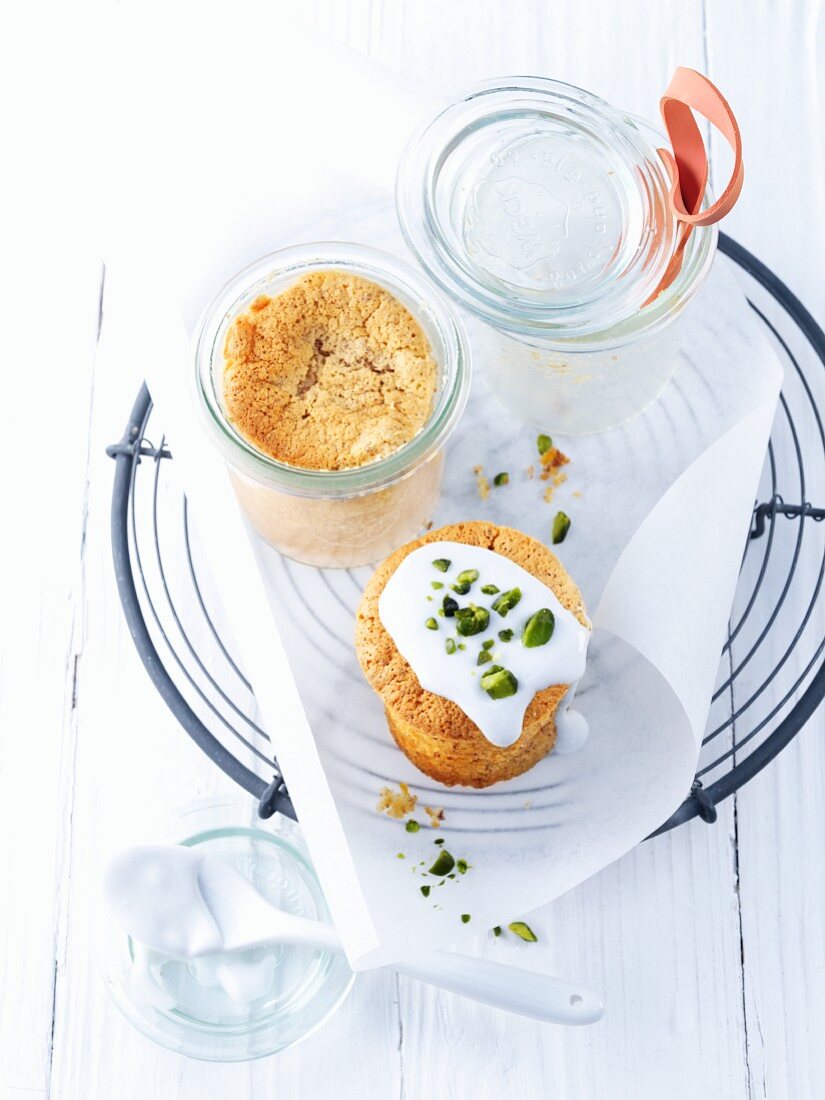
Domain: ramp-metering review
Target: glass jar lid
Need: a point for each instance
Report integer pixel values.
(539, 206)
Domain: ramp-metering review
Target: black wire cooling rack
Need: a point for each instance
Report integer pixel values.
(771, 677)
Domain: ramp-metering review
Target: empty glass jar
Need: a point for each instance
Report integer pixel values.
(545, 211)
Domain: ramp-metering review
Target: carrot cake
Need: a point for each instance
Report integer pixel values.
(474, 637)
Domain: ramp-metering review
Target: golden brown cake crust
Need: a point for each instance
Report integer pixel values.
(332, 373)
(432, 731)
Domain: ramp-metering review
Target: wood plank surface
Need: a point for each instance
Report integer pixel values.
(709, 942)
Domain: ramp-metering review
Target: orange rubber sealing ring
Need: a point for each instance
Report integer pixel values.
(687, 165)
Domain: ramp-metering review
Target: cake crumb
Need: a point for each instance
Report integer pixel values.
(436, 815)
(530, 472)
(559, 478)
(482, 484)
(578, 493)
(550, 461)
(397, 804)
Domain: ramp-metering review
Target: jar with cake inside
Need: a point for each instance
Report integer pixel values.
(330, 377)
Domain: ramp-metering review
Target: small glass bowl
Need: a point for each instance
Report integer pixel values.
(348, 517)
(176, 1004)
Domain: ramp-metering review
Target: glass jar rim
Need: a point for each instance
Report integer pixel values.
(402, 280)
(616, 319)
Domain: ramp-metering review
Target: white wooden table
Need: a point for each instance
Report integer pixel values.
(709, 942)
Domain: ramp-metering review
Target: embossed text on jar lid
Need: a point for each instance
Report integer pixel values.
(538, 205)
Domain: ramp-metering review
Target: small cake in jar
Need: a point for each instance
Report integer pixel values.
(330, 389)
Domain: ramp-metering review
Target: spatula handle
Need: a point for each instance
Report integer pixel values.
(522, 991)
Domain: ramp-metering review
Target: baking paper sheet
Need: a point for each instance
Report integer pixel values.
(655, 544)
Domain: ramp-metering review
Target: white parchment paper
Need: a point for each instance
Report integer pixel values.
(657, 536)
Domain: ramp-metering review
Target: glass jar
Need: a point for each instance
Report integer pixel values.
(351, 516)
(178, 1003)
(545, 212)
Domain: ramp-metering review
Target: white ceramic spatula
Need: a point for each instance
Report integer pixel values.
(185, 904)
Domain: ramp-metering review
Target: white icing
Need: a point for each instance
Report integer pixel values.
(183, 903)
(241, 975)
(572, 729)
(246, 980)
(177, 903)
(146, 978)
(404, 609)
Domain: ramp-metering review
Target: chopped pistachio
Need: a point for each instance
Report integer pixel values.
(523, 930)
(499, 683)
(400, 855)
(490, 589)
(431, 624)
(465, 918)
(449, 606)
(461, 866)
(467, 576)
(488, 644)
(461, 587)
(502, 478)
(507, 601)
(412, 826)
(484, 656)
(561, 525)
(436, 584)
(506, 635)
(444, 863)
(449, 645)
(471, 620)
(544, 443)
(439, 840)
(461, 645)
(538, 630)
(442, 564)
(425, 890)
(496, 930)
